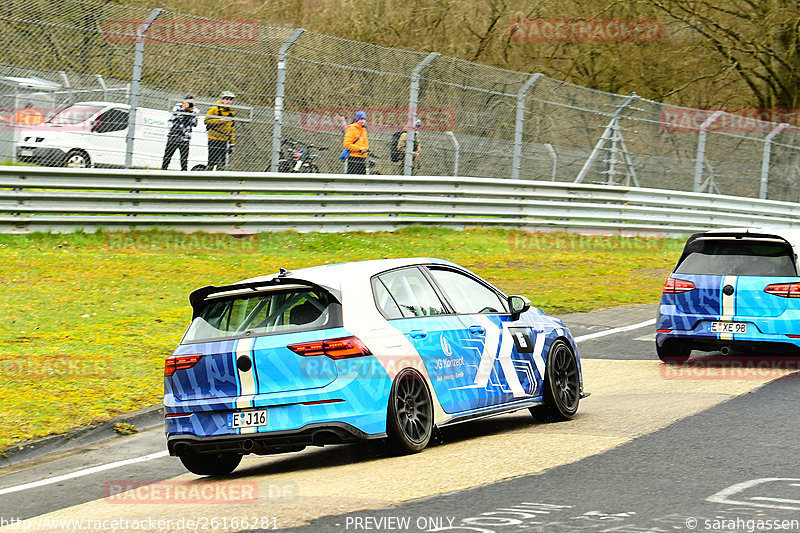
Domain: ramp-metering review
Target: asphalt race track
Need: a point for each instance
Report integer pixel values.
(710, 446)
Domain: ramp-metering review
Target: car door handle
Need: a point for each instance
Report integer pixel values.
(417, 334)
(477, 330)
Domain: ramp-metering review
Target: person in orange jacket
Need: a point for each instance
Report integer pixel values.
(357, 143)
(27, 116)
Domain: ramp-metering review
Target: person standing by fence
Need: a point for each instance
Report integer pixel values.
(220, 131)
(398, 149)
(183, 119)
(357, 145)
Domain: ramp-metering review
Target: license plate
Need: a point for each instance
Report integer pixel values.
(247, 419)
(727, 327)
(26, 153)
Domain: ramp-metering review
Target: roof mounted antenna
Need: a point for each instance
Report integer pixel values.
(283, 272)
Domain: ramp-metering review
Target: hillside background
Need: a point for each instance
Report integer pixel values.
(729, 54)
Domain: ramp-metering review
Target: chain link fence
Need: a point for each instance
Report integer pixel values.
(298, 90)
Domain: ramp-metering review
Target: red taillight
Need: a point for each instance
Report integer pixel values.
(663, 331)
(677, 286)
(784, 290)
(343, 348)
(180, 362)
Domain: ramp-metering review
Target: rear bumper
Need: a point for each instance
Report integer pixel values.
(274, 442)
(348, 401)
(764, 332)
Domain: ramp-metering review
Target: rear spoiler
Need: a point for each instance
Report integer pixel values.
(197, 297)
(737, 236)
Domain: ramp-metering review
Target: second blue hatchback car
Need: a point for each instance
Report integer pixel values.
(732, 290)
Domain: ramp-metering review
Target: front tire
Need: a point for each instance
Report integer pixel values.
(410, 418)
(198, 168)
(562, 383)
(210, 464)
(77, 159)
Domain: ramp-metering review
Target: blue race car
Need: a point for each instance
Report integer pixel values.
(364, 350)
(732, 290)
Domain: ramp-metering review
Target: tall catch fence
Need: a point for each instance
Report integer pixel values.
(296, 88)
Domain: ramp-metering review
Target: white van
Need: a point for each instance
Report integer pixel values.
(93, 134)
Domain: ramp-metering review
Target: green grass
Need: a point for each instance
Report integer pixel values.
(86, 320)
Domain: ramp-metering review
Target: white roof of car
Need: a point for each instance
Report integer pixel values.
(792, 236)
(332, 275)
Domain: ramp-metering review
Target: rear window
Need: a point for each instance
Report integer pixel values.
(737, 258)
(264, 314)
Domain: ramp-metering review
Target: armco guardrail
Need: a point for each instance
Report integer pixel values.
(66, 200)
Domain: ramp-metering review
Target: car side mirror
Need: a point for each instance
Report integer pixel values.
(518, 305)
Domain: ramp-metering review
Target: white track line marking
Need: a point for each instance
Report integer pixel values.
(590, 336)
(158, 455)
(84, 472)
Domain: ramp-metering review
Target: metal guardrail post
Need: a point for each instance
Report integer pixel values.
(103, 85)
(280, 91)
(765, 159)
(607, 133)
(67, 85)
(521, 95)
(138, 61)
(457, 147)
(413, 99)
(701, 150)
(554, 157)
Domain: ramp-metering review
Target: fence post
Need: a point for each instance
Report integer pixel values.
(607, 133)
(701, 150)
(554, 157)
(280, 90)
(521, 95)
(138, 60)
(413, 99)
(457, 147)
(765, 160)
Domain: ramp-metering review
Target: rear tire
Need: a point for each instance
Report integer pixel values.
(211, 464)
(562, 384)
(410, 419)
(198, 168)
(674, 353)
(77, 159)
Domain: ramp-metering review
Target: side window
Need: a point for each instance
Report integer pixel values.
(467, 295)
(386, 304)
(111, 120)
(413, 293)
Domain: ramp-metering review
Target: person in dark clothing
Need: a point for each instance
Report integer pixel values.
(181, 123)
